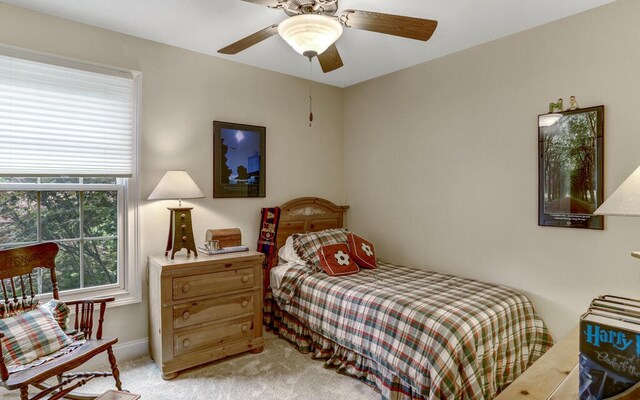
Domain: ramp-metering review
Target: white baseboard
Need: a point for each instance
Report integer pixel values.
(122, 351)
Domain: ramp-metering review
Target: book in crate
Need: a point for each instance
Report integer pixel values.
(609, 361)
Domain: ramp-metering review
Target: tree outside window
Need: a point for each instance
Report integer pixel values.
(82, 221)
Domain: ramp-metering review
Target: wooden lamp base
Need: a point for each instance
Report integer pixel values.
(180, 232)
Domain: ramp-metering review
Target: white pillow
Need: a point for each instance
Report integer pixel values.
(288, 254)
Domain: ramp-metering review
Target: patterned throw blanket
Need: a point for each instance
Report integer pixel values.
(451, 338)
(269, 220)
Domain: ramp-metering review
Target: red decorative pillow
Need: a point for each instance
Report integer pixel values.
(336, 260)
(362, 251)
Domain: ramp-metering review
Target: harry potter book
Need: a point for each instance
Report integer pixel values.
(624, 315)
(609, 361)
(620, 299)
(617, 303)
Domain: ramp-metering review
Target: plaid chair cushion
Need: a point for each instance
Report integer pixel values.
(60, 312)
(308, 244)
(8, 309)
(31, 335)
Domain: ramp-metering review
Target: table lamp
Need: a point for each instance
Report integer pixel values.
(625, 200)
(178, 185)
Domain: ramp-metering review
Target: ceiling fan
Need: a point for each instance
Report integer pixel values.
(313, 28)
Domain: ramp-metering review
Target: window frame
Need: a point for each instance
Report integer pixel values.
(128, 290)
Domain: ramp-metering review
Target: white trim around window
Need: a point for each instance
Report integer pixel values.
(129, 288)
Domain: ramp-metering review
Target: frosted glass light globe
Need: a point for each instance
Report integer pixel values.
(310, 34)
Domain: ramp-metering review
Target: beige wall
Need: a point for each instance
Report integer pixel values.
(182, 93)
(441, 160)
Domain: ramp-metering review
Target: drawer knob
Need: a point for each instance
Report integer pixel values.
(184, 238)
(245, 328)
(186, 287)
(245, 279)
(184, 227)
(183, 216)
(245, 304)
(186, 343)
(186, 315)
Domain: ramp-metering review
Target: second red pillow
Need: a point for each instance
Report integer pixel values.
(362, 251)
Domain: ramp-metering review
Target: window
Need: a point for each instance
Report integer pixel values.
(80, 214)
(67, 168)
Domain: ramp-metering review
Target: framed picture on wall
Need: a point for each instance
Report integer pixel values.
(238, 160)
(571, 168)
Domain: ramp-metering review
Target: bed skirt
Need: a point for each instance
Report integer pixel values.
(345, 361)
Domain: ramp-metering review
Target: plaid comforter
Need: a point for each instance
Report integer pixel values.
(452, 338)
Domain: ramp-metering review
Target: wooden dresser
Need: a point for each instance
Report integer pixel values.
(203, 309)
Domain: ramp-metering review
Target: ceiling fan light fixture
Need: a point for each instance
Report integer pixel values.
(310, 34)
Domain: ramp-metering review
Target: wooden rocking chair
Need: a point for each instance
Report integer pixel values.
(16, 276)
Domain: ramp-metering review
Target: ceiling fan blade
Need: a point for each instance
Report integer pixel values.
(268, 3)
(330, 60)
(396, 25)
(250, 40)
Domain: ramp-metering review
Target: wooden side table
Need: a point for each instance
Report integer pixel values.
(555, 375)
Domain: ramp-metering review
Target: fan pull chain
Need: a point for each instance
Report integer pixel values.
(310, 95)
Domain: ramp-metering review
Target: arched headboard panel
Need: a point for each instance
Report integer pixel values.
(308, 214)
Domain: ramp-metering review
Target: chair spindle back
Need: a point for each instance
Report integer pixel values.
(16, 273)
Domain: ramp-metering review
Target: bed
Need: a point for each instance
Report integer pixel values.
(410, 333)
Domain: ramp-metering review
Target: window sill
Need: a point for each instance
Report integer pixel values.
(122, 297)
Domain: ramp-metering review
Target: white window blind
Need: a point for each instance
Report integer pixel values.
(61, 121)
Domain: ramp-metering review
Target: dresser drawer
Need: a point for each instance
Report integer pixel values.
(210, 310)
(208, 336)
(215, 282)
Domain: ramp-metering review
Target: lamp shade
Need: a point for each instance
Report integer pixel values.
(310, 34)
(625, 201)
(176, 185)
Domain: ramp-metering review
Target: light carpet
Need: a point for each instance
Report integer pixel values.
(280, 372)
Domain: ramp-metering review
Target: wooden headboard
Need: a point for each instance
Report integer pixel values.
(308, 214)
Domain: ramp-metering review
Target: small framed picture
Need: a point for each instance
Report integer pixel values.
(238, 160)
(571, 168)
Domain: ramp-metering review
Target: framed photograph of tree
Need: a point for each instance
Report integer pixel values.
(571, 168)
(238, 160)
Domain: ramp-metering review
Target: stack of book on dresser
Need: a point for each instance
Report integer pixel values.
(224, 250)
(609, 362)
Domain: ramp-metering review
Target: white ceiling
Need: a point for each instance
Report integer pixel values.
(208, 25)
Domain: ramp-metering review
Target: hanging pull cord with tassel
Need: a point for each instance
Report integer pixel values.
(310, 96)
